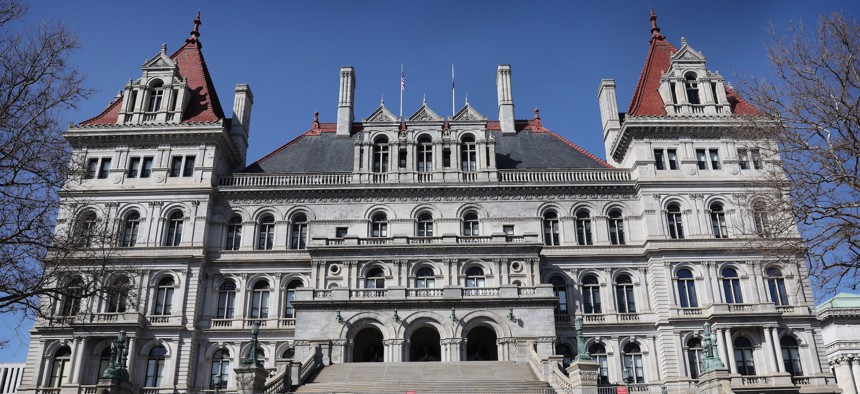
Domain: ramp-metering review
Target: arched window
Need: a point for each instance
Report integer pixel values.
(380, 154)
(155, 367)
(86, 231)
(424, 158)
(760, 219)
(60, 366)
(164, 296)
(117, 295)
(692, 88)
(299, 234)
(475, 277)
(565, 351)
(425, 278)
(694, 356)
(468, 157)
(73, 297)
(687, 289)
(174, 229)
(266, 233)
(156, 95)
(226, 300)
(583, 227)
(550, 228)
(470, 225)
(234, 234)
(260, 300)
(424, 226)
(104, 361)
(776, 285)
(379, 225)
(673, 218)
(559, 289)
(744, 356)
(791, 355)
(375, 279)
(632, 357)
(289, 297)
(732, 286)
(718, 221)
(590, 295)
(130, 229)
(616, 228)
(220, 371)
(624, 294)
(598, 354)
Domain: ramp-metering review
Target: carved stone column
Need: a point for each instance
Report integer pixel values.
(250, 378)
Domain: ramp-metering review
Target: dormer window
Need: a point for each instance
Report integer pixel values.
(692, 87)
(156, 96)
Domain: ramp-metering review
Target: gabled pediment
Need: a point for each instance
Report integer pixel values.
(425, 114)
(160, 61)
(688, 54)
(381, 114)
(468, 113)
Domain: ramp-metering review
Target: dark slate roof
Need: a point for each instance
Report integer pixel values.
(320, 150)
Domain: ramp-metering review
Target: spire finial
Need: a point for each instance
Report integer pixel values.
(163, 47)
(316, 124)
(195, 34)
(382, 101)
(537, 113)
(655, 31)
(424, 101)
(467, 98)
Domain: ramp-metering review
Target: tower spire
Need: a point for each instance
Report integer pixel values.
(655, 31)
(195, 34)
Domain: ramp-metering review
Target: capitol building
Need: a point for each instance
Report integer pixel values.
(378, 241)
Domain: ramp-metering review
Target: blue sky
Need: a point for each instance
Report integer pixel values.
(290, 54)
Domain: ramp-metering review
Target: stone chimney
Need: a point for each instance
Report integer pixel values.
(506, 98)
(345, 104)
(243, 99)
(609, 118)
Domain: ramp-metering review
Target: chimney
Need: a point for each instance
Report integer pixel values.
(345, 104)
(608, 114)
(243, 99)
(506, 98)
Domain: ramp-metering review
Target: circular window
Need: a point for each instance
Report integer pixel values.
(516, 266)
(334, 269)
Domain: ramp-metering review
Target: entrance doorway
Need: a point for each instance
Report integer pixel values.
(424, 345)
(481, 345)
(368, 346)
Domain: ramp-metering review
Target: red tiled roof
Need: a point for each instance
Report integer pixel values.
(646, 99)
(740, 106)
(203, 105)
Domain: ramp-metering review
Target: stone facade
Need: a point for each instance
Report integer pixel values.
(429, 239)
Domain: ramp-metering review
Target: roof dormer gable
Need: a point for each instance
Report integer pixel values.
(467, 113)
(425, 114)
(381, 114)
(687, 88)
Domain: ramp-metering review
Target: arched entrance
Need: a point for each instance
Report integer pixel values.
(424, 345)
(368, 346)
(481, 344)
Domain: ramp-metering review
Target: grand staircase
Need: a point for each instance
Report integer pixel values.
(427, 377)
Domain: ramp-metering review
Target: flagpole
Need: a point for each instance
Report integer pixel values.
(402, 86)
(453, 99)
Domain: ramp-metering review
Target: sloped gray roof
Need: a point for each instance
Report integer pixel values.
(328, 152)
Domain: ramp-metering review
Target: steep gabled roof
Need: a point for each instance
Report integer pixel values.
(203, 105)
(646, 99)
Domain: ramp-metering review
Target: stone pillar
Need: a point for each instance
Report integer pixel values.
(583, 376)
(721, 344)
(250, 378)
(768, 349)
(76, 356)
(730, 351)
(777, 349)
(844, 375)
(855, 370)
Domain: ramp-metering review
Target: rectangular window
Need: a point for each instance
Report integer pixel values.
(92, 168)
(104, 169)
(673, 159)
(743, 159)
(133, 167)
(702, 159)
(508, 229)
(188, 170)
(715, 159)
(658, 159)
(446, 158)
(756, 159)
(401, 158)
(340, 232)
(175, 166)
(146, 170)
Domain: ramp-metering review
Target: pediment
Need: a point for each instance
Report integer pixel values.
(160, 61)
(468, 113)
(688, 54)
(425, 114)
(381, 114)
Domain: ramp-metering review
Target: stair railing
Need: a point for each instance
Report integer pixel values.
(312, 364)
(549, 370)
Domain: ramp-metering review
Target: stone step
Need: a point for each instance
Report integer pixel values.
(427, 377)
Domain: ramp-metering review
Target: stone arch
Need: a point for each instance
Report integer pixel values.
(158, 275)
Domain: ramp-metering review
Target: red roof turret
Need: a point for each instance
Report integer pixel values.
(646, 99)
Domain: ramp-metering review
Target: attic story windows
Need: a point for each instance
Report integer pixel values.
(140, 167)
(662, 157)
(708, 159)
(749, 159)
(691, 85)
(182, 166)
(98, 167)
